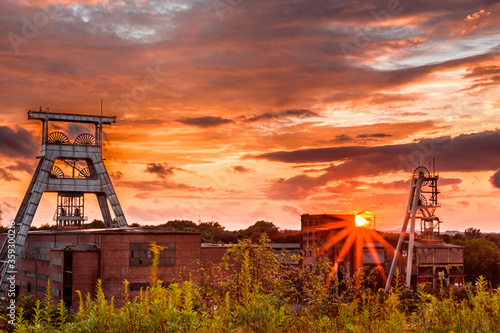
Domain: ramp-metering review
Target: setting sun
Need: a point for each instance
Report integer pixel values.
(360, 221)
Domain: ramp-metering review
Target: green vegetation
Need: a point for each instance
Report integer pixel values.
(253, 291)
(480, 256)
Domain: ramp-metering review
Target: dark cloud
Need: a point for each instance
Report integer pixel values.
(449, 181)
(205, 122)
(8, 205)
(298, 187)
(142, 122)
(162, 170)
(374, 135)
(294, 211)
(18, 143)
(464, 153)
(394, 185)
(151, 186)
(481, 71)
(405, 184)
(495, 179)
(22, 166)
(7, 175)
(472, 152)
(117, 174)
(283, 114)
(238, 169)
(72, 130)
(341, 138)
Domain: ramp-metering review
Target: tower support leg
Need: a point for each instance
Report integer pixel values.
(103, 204)
(11, 249)
(411, 211)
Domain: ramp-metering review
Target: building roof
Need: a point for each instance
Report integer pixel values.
(280, 246)
(112, 231)
(215, 245)
(330, 215)
(83, 247)
(422, 245)
(71, 117)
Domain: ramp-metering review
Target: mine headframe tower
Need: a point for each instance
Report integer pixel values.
(422, 204)
(88, 175)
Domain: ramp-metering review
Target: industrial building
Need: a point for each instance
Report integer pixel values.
(337, 237)
(76, 259)
(436, 262)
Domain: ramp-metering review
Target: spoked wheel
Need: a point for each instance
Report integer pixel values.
(423, 172)
(57, 137)
(56, 172)
(85, 139)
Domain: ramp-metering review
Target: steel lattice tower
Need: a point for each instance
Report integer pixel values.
(94, 178)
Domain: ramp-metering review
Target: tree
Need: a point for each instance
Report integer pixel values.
(286, 236)
(493, 238)
(177, 225)
(480, 256)
(45, 226)
(255, 231)
(95, 224)
(213, 232)
(446, 238)
(472, 233)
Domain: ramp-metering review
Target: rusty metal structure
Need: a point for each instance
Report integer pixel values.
(88, 175)
(428, 257)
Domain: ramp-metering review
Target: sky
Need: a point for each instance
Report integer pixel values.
(244, 110)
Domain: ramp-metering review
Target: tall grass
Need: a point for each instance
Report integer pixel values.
(253, 290)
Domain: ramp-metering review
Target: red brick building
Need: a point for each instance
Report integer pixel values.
(318, 231)
(75, 259)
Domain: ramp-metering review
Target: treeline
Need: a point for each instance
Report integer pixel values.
(213, 232)
(481, 253)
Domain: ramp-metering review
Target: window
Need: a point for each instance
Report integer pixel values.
(140, 255)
